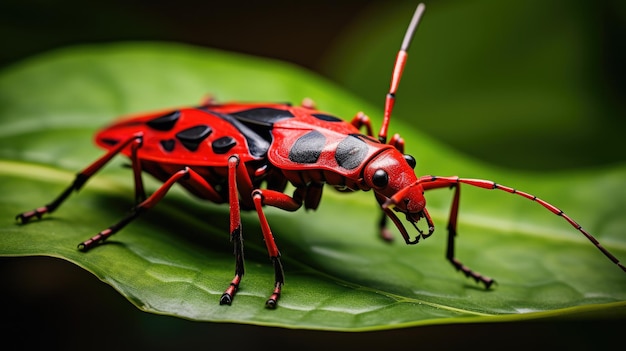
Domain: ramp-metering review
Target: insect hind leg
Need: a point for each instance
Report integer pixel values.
(82, 177)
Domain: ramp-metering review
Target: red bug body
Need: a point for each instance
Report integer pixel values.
(246, 154)
(296, 144)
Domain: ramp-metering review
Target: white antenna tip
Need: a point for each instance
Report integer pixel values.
(419, 11)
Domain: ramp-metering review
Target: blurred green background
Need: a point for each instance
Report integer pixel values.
(533, 85)
(536, 85)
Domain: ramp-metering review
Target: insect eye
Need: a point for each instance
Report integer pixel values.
(380, 178)
(410, 160)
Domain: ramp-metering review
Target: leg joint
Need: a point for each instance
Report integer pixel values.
(257, 193)
(233, 160)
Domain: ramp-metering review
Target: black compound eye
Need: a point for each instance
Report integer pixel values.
(380, 178)
(410, 160)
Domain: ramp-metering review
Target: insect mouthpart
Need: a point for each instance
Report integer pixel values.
(413, 218)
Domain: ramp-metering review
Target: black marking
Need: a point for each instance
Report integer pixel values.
(265, 116)
(350, 152)
(110, 141)
(165, 122)
(257, 133)
(192, 137)
(308, 148)
(365, 138)
(223, 144)
(168, 144)
(327, 118)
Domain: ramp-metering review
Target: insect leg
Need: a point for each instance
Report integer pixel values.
(385, 233)
(397, 142)
(186, 174)
(280, 200)
(85, 174)
(452, 232)
(207, 100)
(308, 103)
(235, 231)
(433, 182)
(360, 120)
(140, 192)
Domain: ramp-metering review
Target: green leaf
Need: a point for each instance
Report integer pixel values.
(177, 260)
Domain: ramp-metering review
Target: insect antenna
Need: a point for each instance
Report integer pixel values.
(398, 68)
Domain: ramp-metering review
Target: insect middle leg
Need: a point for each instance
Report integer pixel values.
(186, 174)
(236, 172)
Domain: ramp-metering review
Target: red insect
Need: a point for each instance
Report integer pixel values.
(246, 154)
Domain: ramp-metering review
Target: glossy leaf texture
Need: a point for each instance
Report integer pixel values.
(177, 260)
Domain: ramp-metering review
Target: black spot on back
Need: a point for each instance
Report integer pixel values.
(350, 152)
(258, 135)
(192, 137)
(307, 148)
(262, 115)
(327, 118)
(223, 144)
(168, 144)
(110, 141)
(165, 122)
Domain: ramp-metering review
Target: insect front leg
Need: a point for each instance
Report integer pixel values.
(359, 121)
(81, 178)
(235, 230)
(362, 120)
(434, 182)
(384, 232)
(452, 225)
(285, 202)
